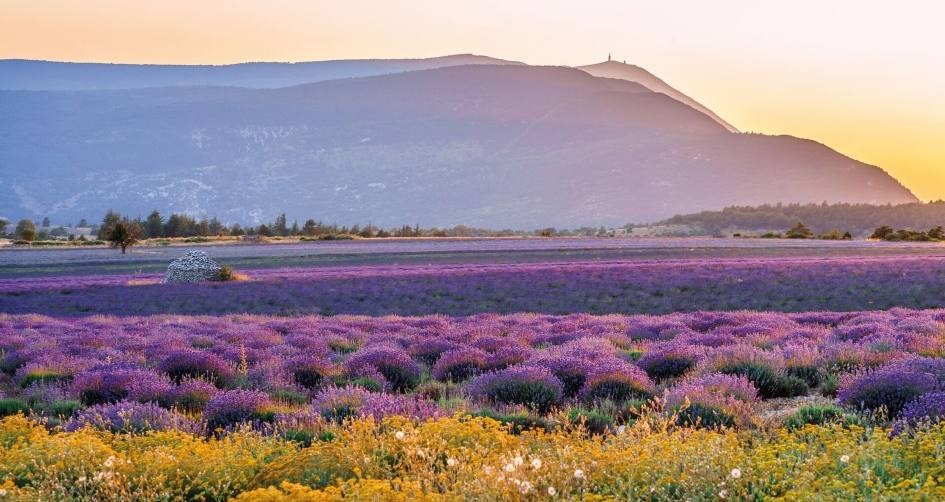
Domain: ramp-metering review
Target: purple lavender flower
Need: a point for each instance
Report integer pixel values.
(197, 364)
(112, 383)
(459, 364)
(712, 401)
(310, 372)
(401, 372)
(616, 380)
(192, 395)
(927, 409)
(532, 386)
(670, 359)
(892, 386)
(125, 417)
(236, 407)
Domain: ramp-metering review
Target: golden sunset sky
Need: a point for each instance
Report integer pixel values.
(866, 78)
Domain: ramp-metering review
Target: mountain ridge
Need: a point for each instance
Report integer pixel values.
(499, 146)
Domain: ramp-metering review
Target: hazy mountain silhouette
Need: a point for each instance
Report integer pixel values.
(486, 145)
(29, 75)
(617, 70)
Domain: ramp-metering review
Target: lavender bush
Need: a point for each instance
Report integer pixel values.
(532, 386)
(126, 416)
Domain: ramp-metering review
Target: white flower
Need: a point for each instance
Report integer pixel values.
(399, 435)
(421, 454)
(579, 474)
(451, 462)
(3, 493)
(552, 491)
(488, 470)
(526, 486)
(367, 460)
(723, 494)
(518, 461)
(845, 459)
(509, 467)
(536, 463)
(736, 473)
(110, 461)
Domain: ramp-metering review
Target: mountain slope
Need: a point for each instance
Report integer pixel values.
(28, 75)
(484, 145)
(623, 71)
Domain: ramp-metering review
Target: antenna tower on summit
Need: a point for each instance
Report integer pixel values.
(608, 57)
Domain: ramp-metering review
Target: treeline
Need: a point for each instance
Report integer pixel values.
(156, 226)
(858, 219)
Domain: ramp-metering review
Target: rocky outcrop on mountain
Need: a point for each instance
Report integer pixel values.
(194, 266)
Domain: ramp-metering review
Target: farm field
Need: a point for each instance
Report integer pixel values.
(507, 369)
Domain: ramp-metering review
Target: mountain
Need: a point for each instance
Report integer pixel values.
(629, 72)
(29, 75)
(500, 146)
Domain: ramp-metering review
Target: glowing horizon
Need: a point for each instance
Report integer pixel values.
(865, 80)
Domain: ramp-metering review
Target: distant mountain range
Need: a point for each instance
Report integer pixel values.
(438, 142)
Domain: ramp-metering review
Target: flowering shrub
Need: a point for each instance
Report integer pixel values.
(236, 407)
(197, 364)
(763, 368)
(670, 360)
(310, 372)
(113, 383)
(618, 381)
(125, 416)
(925, 410)
(712, 401)
(401, 372)
(892, 386)
(459, 364)
(532, 386)
(191, 396)
(338, 404)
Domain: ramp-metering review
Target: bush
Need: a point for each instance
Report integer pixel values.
(892, 386)
(113, 383)
(192, 395)
(713, 401)
(762, 368)
(339, 403)
(927, 409)
(12, 406)
(126, 417)
(226, 274)
(532, 386)
(617, 381)
(237, 407)
(400, 372)
(310, 372)
(570, 370)
(459, 364)
(197, 364)
(670, 360)
(814, 415)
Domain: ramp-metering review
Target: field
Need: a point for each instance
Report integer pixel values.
(494, 369)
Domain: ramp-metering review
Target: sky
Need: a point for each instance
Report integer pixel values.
(866, 78)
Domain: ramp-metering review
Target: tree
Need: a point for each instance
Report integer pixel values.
(310, 228)
(799, 231)
(25, 230)
(83, 223)
(123, 235)
(937, 234)
(881, 232)
(108, 222)
(46, 222)
(154, 225)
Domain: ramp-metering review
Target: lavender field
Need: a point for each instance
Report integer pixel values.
(536, 361)
(598, 287)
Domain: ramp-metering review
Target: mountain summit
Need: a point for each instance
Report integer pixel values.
(500, 146)
(623, 71)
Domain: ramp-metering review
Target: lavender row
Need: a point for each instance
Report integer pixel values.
(652, 287)
(713, 368)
